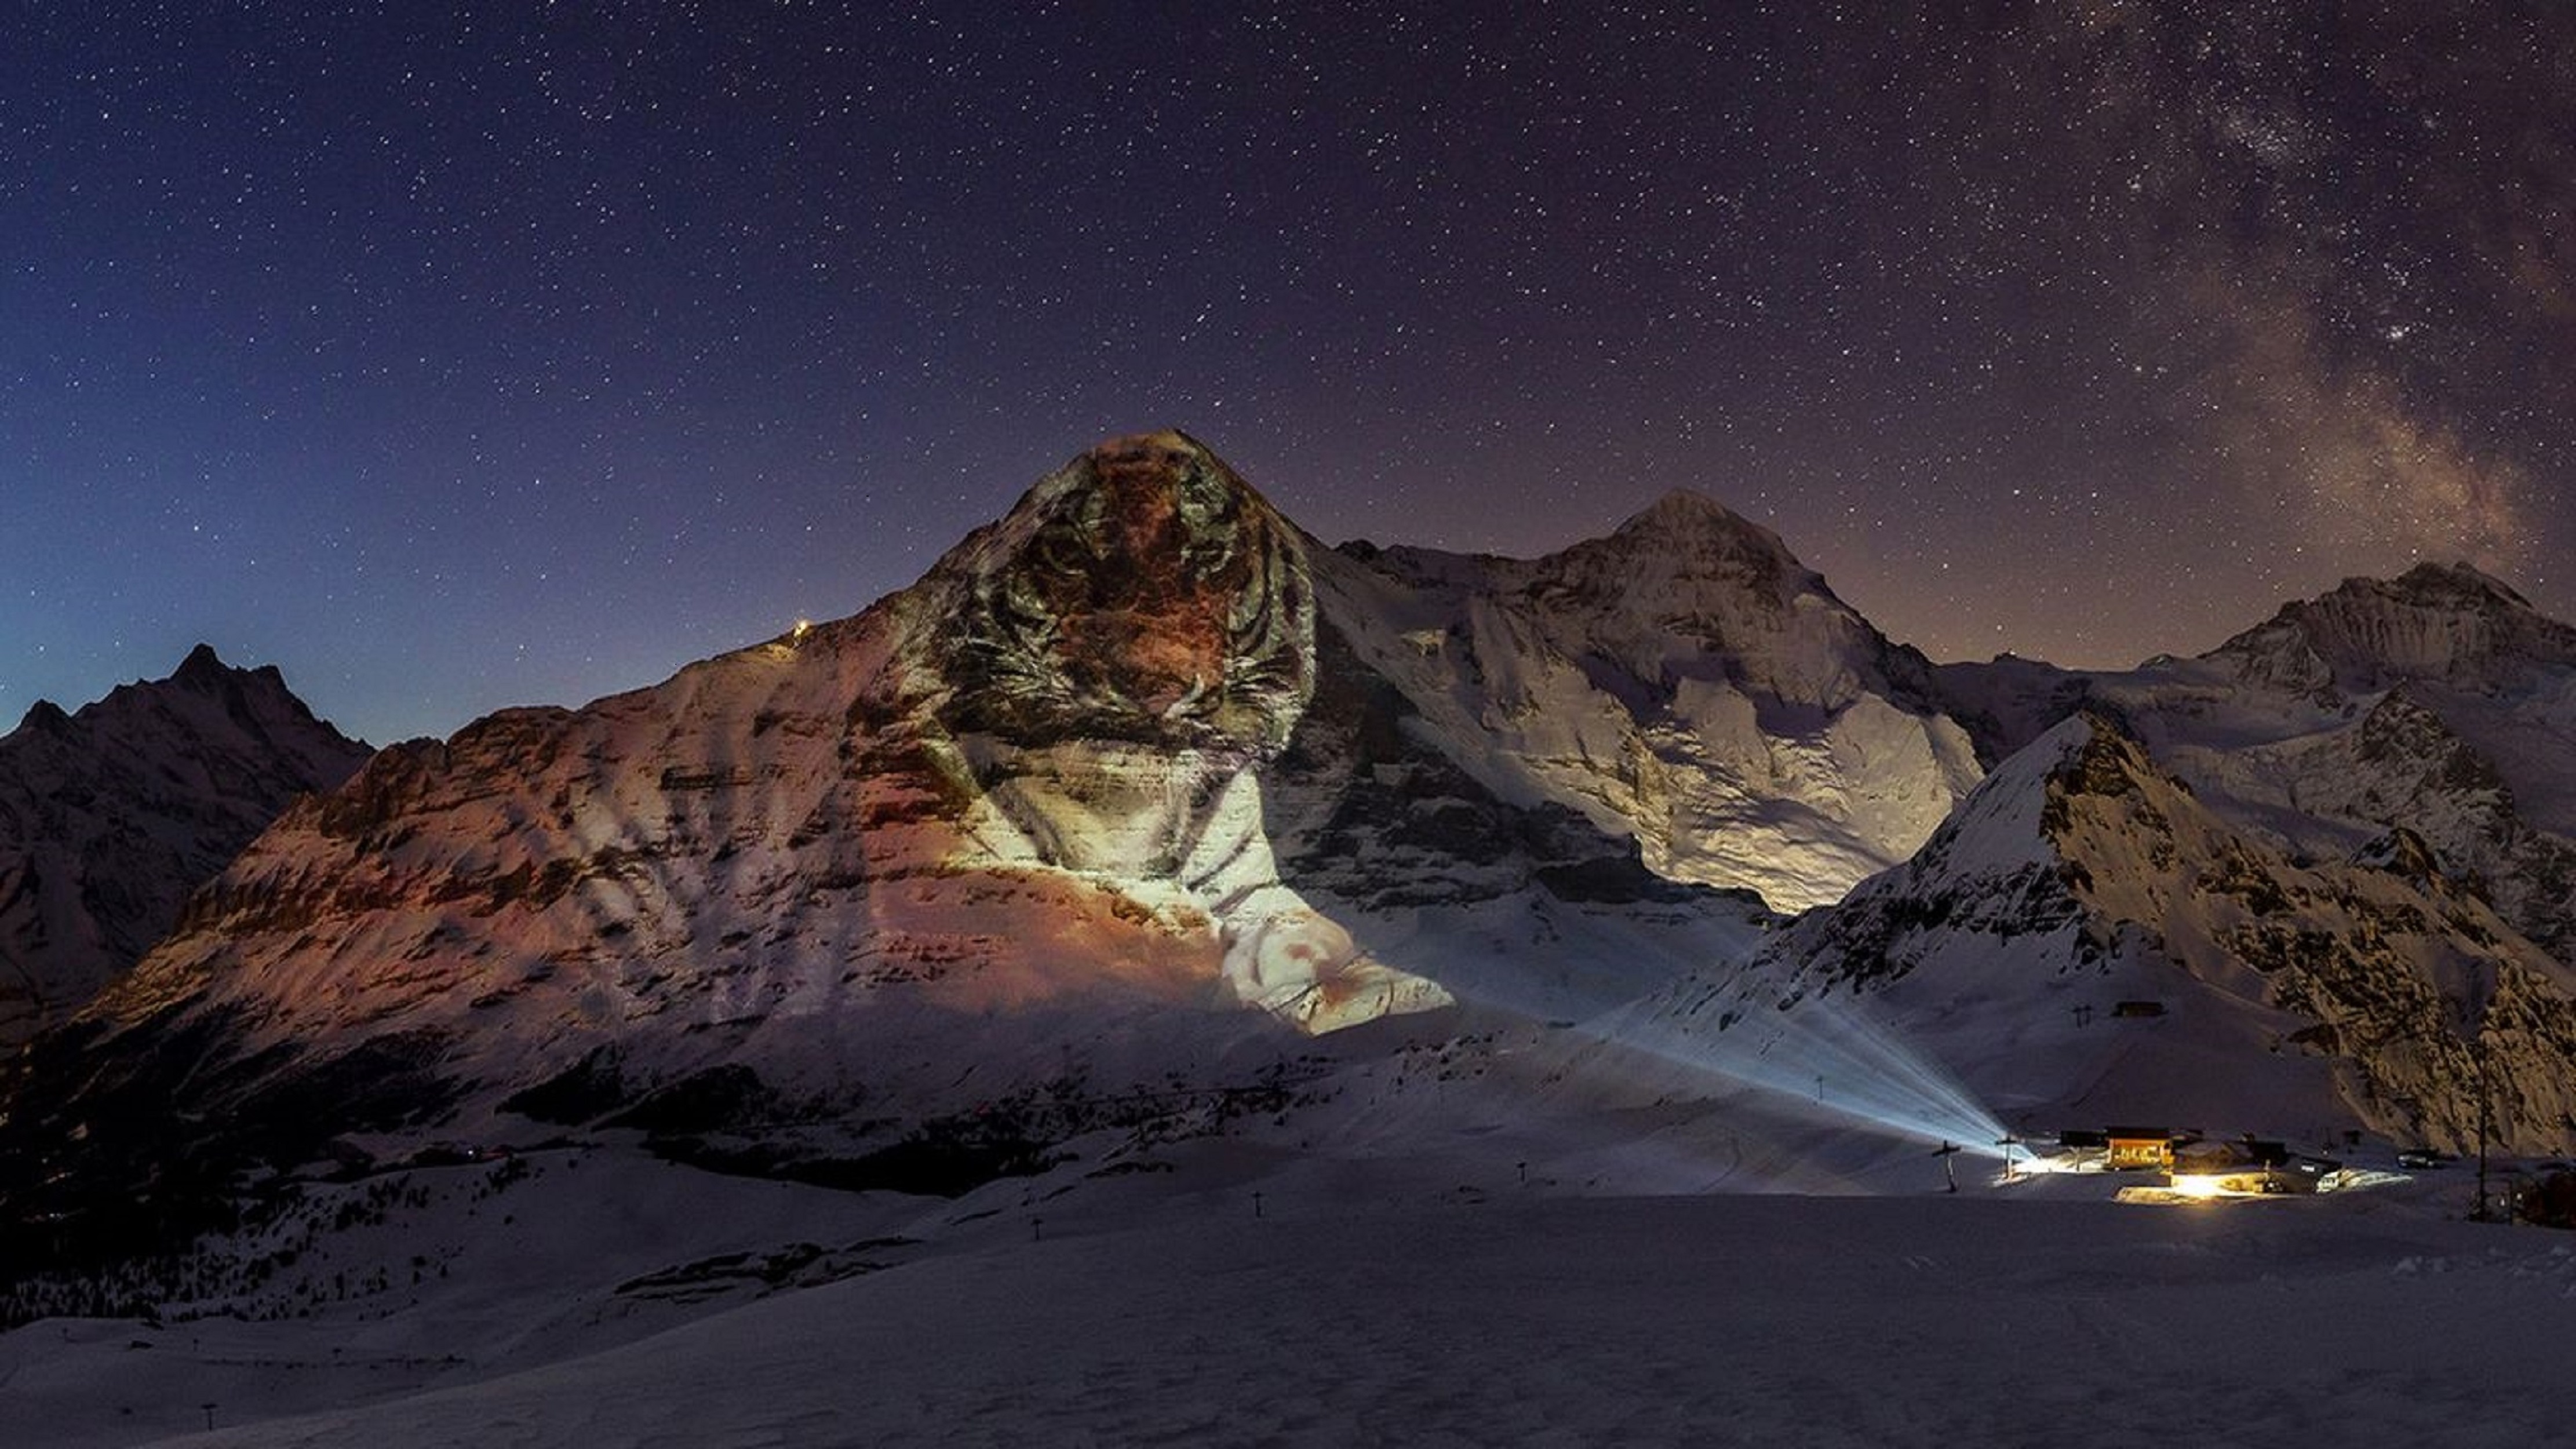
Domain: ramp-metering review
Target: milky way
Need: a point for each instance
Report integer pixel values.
(454, 357)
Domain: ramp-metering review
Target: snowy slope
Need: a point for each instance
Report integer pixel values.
(1679, 1322)
(712, 1312)
(111, 815)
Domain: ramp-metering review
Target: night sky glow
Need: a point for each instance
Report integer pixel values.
(461, 356)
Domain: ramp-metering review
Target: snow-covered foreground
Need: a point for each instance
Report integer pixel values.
(1155, 1312)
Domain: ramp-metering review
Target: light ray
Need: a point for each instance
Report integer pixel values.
(1828, 1057)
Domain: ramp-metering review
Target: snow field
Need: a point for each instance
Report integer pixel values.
(1366, 1303)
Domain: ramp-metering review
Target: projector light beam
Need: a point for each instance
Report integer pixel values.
(1831, 1057)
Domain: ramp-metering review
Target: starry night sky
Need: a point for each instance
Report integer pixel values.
(460, 357)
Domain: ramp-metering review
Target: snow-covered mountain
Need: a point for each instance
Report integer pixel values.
(2448, 624)
(2086, 940)
(2323, 865)
(2440, 702)
(110, 815)
(1684, 681)
(1142, 806)
(1121, 765)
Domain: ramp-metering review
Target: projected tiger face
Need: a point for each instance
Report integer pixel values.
(1113, 660)
(1143, 594)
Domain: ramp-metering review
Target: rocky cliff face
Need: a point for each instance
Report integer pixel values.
(2402, 768)
(110, 816)
(1684, 682)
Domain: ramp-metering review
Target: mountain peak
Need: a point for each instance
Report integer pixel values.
(1143, 592)
(1689, 517)
(2448, 622)
(109, 818)
(202, 669)
(1681, 505)
(1164, 445)
(2458, 584)
(2432, 588)
(1151, 490)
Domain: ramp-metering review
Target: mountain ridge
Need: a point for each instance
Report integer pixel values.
(112, 814)
(2082, 875)
(1140, 794)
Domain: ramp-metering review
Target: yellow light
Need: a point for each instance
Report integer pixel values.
(2199, 1186)
(803, 628)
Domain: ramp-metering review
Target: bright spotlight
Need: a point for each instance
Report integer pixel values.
(1828, 1055)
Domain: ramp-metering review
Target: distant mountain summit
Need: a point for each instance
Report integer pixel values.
(1684, 681)
(2447, 623)
(2439, 701)
(110, 816)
